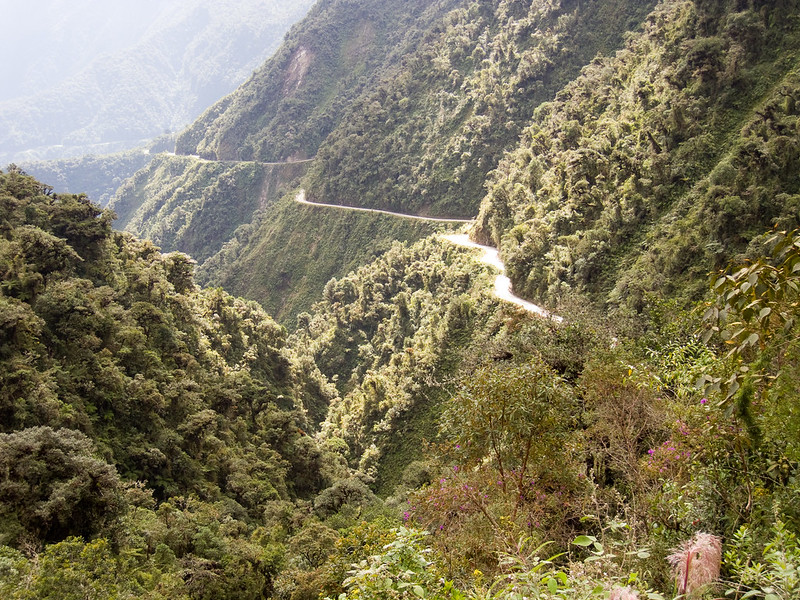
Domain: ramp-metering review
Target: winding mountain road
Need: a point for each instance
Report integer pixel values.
(490, 256)
(502, 284)
(301, 198)
(199, 158)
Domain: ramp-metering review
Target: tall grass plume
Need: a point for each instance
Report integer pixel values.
(696, 563)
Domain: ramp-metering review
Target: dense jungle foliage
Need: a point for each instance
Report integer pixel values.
(181, 202)
(131, 402)
(162, 441)
(424, 137)
(301, 255)
(97, 176)
(413, 436)
(658, 164)
(436, 133)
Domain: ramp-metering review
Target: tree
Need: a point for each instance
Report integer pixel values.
(511, 419)
(755, 313)
(52, 486)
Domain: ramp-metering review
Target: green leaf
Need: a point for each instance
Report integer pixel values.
(418, 591)
(552, 585)
(594, 558)
(584, 540)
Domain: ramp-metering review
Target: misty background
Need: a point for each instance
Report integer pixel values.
(94, 76)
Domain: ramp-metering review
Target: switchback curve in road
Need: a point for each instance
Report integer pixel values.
(490, 256)
(502, 284)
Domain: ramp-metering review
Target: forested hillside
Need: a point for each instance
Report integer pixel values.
(286, 256)
(97, 176)
(425, 136)
(410, 435)
(436, 134)
(658, 164)
(126, 389)
(409, 104)
(196, 205)
(288, 107)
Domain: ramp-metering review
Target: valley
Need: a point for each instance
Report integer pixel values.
(450, 299)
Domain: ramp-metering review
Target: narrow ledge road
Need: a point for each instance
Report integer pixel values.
(301, 198)
(489, 256)
(502, 284)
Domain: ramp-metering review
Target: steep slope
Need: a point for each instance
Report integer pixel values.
(186, 203)
(410, 107)
(289, 252)
(658, 164)
(352, 86)
(98, 177)
(145, 68)
(288, 107)
(105, 335)
(139, 412)
(424, 137)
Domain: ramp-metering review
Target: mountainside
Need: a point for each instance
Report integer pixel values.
(288, 107)
(141, 69)
(658, 164)
(110, 336)
(410, 105)
(416, 432)
(290, 251)
(588, 201)
(317, 98)
(124, 385)
(189, 203)
(98, 177)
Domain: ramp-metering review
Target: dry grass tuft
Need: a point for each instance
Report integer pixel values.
(623, 593)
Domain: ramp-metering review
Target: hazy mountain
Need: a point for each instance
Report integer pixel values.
(98, 77)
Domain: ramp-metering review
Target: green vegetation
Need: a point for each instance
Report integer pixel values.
(96, 176)
(156, 421)
(658, 164)
(423, 137)
(413, 436)
(286, 256)
(565, 460)
(288, 107)
(181, 202)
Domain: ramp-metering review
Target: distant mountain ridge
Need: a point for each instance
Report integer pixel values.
(165, 62)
